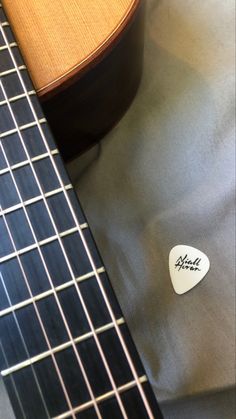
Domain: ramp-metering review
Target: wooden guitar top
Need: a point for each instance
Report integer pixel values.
(59, 37)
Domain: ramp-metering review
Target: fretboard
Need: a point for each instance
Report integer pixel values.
(66, 351)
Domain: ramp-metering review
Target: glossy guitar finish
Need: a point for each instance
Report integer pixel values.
(85, 59)
(66, 351)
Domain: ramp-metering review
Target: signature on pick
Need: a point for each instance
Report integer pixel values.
(186, 263)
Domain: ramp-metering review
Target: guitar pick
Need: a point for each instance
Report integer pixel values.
(187, 266)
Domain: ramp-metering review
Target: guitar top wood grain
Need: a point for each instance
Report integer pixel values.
(69, 34)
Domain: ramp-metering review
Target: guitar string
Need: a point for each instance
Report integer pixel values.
(27, 354)
(146, 403)
(13, 381)
(55, 294)
(47, 273)
(80, 295)
(73, 278)
(124, 346)
(40, 321)
(108, 370)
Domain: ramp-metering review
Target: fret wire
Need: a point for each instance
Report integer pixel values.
(41, 325)
(103, 397)
(107, 368)
(12, 70)
(25, 347)
(39, 249)
(22, 128)
(37, 244)
(26, 162)
(45, 294)
(18, 97)
(130, 362)
(8, 297)
(11, 45)
(124, 346)
(35, 199)
(13, 382)
(59, 348)
(41, 243)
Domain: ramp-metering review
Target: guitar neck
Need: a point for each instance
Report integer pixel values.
(66, 349)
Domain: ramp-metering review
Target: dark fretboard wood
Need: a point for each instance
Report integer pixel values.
(66, 351)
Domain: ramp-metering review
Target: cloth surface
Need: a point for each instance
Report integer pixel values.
(165, 176)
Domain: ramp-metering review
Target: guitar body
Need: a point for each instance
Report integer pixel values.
(65, 347)
(85, 60)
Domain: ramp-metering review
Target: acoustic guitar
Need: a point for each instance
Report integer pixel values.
(85, 60)
(65, 349)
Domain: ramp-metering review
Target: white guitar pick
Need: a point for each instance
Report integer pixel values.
(187, 266)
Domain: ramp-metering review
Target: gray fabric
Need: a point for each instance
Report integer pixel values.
(165, 176)
(217, 405)
(5, 407)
